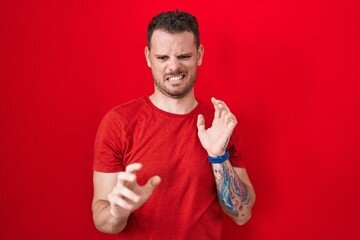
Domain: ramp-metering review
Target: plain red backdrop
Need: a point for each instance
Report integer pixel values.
(288, 69)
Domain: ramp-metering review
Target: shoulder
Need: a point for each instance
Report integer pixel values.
(126, 112)
(130, 106)
(128, 109)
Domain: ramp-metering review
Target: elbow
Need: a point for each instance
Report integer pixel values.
(108, 226)
(100, 228)
(245, 213)
(104, 221)
(241, 220)
(108, 229)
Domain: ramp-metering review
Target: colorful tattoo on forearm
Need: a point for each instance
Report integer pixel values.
(232, 192)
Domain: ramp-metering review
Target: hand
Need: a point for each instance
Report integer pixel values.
(216, 138)
(128, 195)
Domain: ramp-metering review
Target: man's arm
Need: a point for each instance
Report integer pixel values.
(117, 195)
(235, 192)
(103, 219)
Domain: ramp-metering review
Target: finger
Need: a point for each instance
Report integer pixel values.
(222, 102)
(152, 183)
(120, 202)
(213, 100)
(227, 118)
(125, 177)
(201, 123)
(233, 121)
(127, 193)
(223, 111)
(221, 107)
(217, 113)
(134, 167)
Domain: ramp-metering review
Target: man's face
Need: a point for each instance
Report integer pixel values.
(173, 59)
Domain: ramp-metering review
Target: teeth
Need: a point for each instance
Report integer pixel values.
(174, 78)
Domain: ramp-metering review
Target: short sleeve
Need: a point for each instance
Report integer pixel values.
(109, 144)
(235, 150)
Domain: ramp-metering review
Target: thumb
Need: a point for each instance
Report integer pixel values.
(152, 183)
(201, 123)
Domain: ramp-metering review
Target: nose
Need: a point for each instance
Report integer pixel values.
(174, 65)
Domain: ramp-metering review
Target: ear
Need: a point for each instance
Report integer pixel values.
(200, 53)
(147, 56)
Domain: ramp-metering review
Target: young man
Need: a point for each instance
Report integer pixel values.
(188, 155)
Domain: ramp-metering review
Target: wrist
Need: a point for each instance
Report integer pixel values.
(216, 152)
(219, 159)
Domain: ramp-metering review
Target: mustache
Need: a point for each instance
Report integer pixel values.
(174, 74)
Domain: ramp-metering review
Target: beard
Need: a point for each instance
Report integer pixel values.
(175, 91)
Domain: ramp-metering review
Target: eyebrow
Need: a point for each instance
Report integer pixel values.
(184, 54)
(180, 55)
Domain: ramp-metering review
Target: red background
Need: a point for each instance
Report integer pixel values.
(288, 69)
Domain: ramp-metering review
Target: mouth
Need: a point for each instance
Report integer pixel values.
(176, 77)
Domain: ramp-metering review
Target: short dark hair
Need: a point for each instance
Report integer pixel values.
(174, 22)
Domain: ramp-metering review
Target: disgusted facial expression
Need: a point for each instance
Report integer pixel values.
(173, 59)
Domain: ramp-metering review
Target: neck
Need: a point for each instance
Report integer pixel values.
(182, 105)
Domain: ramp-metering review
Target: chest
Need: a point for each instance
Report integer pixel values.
(169, 148)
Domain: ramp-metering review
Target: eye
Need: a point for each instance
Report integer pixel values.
(184, 57)
(162, 58)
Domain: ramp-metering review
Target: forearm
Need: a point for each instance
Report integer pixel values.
(235, 197)
(105, 221)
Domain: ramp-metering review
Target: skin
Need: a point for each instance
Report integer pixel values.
(235, 191)
(171, 55)
(174, 59)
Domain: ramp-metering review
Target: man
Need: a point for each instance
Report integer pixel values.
(188, 155)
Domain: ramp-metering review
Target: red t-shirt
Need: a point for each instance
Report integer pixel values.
(184, 205)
